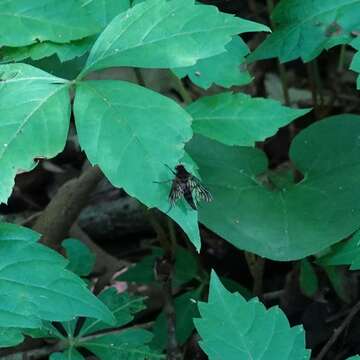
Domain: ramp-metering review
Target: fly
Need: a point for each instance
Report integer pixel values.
(187, 186)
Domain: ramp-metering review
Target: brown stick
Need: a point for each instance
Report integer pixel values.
(256, 267)
(164, 268)
(63, 210)
(338, 331)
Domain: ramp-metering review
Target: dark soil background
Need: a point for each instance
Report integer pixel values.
(121, 228)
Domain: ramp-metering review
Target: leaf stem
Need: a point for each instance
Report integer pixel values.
(341, 58)
(281, 67)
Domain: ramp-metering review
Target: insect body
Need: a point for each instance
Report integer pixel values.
(188, 186)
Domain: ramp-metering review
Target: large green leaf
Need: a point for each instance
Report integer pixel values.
(35, 286)
(128, 344)
(303, 28)
(35, 113)
(226, 69)
(132, 133)
(345, 253)
(238, 119)
(26, 23)
(294, 221)
(355, 64)
(232, 328)
(165, 34)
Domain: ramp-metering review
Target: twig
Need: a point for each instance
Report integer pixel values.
(338, 331)
(256, 267)
(163, 272)
(64, 208)
(273, 295)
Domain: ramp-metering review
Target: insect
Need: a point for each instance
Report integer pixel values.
(188, 186)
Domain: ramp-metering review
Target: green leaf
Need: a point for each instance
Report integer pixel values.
(35, 286)
(185, 309)
(303, 28)
(355, 64)
(226, 69)
(238, 119)
(232, 328)
(31, 22)
(339, 281)
(64, 52)
(292, 222)
(143, 271)
(308, 279)
(234, 286)
(81, 259)
(47, 330)
(123, 306)
(69, 354)
(128, 344)
(130, 131)
(165, 34)
(356, 357)
(104, 11)
(345, 253)
(42, 114)
(10, 337)
(185, 267)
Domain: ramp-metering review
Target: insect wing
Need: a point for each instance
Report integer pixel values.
(200, 192)
(175, 192)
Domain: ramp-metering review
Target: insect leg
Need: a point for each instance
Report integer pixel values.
(170, 169)
(162, 182)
